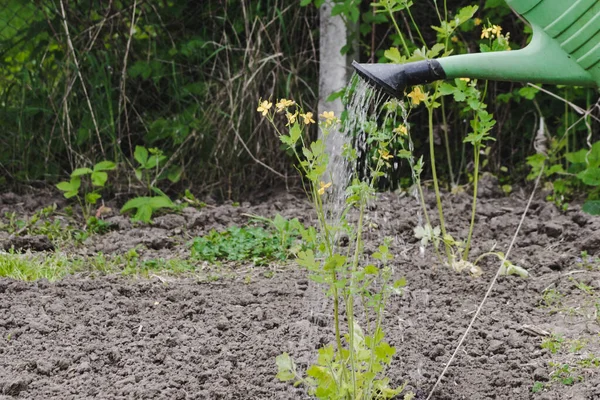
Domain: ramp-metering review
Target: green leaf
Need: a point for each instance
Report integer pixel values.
(92, 198)
(285, 367)
(81, 171)
(334, 262)
(591, 207)
(295, 132)
(393, 54)
(141, 155)
(65, 186)
(174, 174)
(465, 14)
(71, 188)
(99, 178)
(143, 214)
(159, 202)
(577, 157)
(304, 3)
(105, 166)
(371, 270)
(590, 176)
(307, 259)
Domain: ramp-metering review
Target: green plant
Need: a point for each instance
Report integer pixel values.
(553, 343)
(151, 167)
(88, 193)
(552, 298)
(355, 371)
(251, 243)
(564, 374)
(587, 289)
(537, 387)
(146, 206)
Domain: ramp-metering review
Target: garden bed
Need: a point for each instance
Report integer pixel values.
(214, 331)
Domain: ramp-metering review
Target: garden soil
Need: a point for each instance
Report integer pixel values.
(215, 333)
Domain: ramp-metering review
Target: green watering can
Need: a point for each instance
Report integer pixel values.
(564, 50)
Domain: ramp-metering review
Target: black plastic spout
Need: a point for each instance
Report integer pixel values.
(394, 78)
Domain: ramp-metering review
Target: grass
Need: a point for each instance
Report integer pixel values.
(29, 267)
(55, 266)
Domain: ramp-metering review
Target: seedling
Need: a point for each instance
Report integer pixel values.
(552, 298)
(553, 343)
(87, 192)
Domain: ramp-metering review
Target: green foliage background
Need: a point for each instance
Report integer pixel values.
(185, 77)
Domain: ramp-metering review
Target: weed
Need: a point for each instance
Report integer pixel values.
(553, 343)
(582, 286)
(588, 262)
(28, 267)
(146, 206)
(152, 167)
(537, 387)
(564, 374)
(87, 194)
(552, 298)
(249, 243)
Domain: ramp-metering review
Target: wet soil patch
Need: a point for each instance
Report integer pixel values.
(113, 337)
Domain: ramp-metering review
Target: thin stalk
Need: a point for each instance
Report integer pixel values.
(416, 27)
(476, 149)
(350, 299)
(399, 33)
(435, 180)
(448, 153)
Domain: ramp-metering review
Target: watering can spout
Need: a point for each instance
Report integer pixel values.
(564, 50)
(394, 78)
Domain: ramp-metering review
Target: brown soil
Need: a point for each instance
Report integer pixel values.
(113, 337)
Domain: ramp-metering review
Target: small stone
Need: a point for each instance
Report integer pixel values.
(43, 367)
(223, 324)
(15, 386)
(438, 350)
(496, 347)
(83, 367)
(540, 375)
(552, 229)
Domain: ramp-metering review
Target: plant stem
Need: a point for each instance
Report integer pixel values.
(447, 142)
(399, 33)
(435, 180)
(350, 295)
(476, 149)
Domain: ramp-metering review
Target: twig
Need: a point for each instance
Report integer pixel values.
(87, 97)
(122, 107)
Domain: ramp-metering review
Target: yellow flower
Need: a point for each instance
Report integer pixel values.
(283, 104)
(477, 21)
(322, 187)
(385, 154)
(327, 115)
(291, 117)
(401, 129)
(308, 118)
(465, 79)
(496, 30)
(454, 39)
(329, 118)
(264, 107)
(485, 34)
(417, 96)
